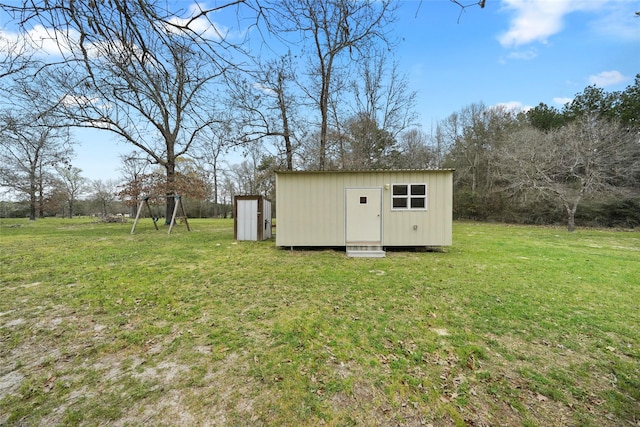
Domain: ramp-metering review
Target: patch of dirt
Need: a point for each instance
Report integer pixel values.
(541, 357)
(169, 410)
(10, 382)
(226, 397)
(163, 373)
(13, 323)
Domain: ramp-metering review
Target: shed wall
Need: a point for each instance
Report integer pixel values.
(246, 219)
(251, 218)
(311, 207)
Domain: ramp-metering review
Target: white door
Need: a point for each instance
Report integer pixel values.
(363, 216)
(247, 220)
(266, 207)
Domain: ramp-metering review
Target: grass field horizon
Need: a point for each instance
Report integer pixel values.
(512, 325)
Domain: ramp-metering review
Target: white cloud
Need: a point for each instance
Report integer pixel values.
(41, 41)
(562, 100)
(78, 101)
(264, 89)
(607, 78)
(525, 55)
(537, 20)
(513, 106)
(620, 22)
(202, 25)
(47, 40)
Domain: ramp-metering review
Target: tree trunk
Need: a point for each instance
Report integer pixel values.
(571, 218)
(32, 199)
(33, 186)
(324, 107)
(323, 139)
(289, 152)
(40, 198)
(285, 121)
(171, 200)
(216, 208)
(32, 207)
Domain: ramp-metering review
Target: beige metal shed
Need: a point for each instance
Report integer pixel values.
(365, 211)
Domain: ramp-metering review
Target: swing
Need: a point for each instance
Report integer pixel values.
(155, 218)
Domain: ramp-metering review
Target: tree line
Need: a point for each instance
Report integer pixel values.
(543, 164)
(298, 84)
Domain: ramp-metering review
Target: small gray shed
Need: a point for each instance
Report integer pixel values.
(365, 211)
(251, 218)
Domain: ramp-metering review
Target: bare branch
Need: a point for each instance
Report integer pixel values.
(139, 70)
(463, 7)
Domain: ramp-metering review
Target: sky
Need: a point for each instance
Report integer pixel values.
(513, 52)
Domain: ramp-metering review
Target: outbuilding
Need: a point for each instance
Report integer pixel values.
(365, 211)
(251, 218)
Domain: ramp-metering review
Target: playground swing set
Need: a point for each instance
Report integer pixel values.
(155, 218)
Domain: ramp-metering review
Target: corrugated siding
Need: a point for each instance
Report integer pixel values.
(266, 222)
(311, 208)
(433, 226)
(247, 219)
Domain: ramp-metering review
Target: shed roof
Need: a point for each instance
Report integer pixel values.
(301, 172)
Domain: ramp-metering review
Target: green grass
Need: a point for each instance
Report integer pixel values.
(511, 325)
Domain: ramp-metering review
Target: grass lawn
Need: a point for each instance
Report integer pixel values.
(512, 325)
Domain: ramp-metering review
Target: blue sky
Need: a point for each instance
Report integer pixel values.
(514, 52)
(519, 52)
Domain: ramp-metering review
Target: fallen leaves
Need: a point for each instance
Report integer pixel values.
(49, 384)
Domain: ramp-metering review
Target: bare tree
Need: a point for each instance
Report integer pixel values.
(29, 149)
(16, 55)
(104, 193)
(383, 108)
(266, 104)
(330, 29)
(416, 151)
(209, 151)
(71, 184)
(137, 69)
(472, 135)
(440, 145)
(245, 174)
(464, 130)
(134, 168)
(382, 94)
(567, 165)
(463, 5)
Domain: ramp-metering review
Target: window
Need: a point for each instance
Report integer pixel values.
(363, 200)
(409, 196)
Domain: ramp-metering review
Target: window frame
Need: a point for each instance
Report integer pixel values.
(409, 196)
